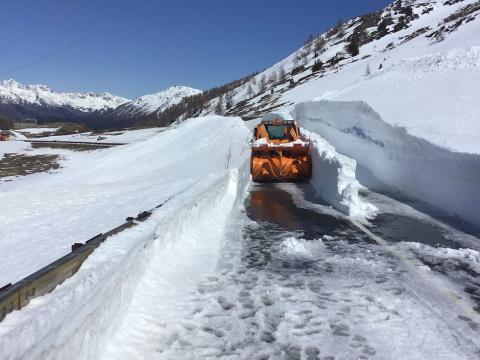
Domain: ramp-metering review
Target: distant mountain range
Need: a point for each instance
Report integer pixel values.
(97, 110)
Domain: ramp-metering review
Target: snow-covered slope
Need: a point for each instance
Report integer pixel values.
(12, 92)
(156, 102)
(418, 66)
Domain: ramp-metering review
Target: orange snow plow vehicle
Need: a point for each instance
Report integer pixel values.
(279, 152)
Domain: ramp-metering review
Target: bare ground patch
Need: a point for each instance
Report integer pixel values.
(69, 146)
(21, 164)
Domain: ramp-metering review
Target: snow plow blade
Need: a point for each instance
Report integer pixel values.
(279, 153)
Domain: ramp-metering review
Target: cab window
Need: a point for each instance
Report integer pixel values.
(277, 132)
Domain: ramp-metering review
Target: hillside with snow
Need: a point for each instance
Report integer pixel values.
(418, 66)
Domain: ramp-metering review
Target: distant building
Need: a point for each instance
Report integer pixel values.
(6, 124)
(24, 124)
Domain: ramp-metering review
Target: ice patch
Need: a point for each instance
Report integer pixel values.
(470, 256)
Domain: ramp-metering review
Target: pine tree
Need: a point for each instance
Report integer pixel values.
(304, 58)
(219, 106)
(229, 100)
(319, 44)
(353, 46)
(263, 83)
(382, 27)
(282, 75)
(309, 43)
(408, 11)
(296, 59)
(250, 91)
(317, 66)
(272, 79)
(340, 27)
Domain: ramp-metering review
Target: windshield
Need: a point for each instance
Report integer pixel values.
(277, 132)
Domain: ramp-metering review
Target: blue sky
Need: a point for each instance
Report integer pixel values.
(131, 48)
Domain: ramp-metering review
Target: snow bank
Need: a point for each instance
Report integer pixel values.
(333, 177)
(78, 318)
(107, 186)
(442, 178)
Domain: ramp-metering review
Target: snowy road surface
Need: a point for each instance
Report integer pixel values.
(293, 283)
(212, 274)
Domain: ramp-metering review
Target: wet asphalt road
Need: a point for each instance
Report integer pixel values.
(300, 284)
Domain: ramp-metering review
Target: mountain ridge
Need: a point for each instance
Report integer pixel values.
(19, 101)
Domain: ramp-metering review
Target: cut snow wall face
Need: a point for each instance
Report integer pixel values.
(447, 180)
(333, 177)
(76, 319)
(277, 115)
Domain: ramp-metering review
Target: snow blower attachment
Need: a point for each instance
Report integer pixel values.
(280, 153)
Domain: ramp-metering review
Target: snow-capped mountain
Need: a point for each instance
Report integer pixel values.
(18, 101)
(12, 92)
(157, 102)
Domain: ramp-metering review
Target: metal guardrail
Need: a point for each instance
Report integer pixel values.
(60, 142)
(16, 296)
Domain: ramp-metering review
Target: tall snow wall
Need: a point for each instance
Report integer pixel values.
(446, 180)
(76, 319)
(333, 177)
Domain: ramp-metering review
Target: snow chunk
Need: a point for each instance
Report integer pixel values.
(264, 142)
(333, 177)
(302, 248)
(260, 142)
